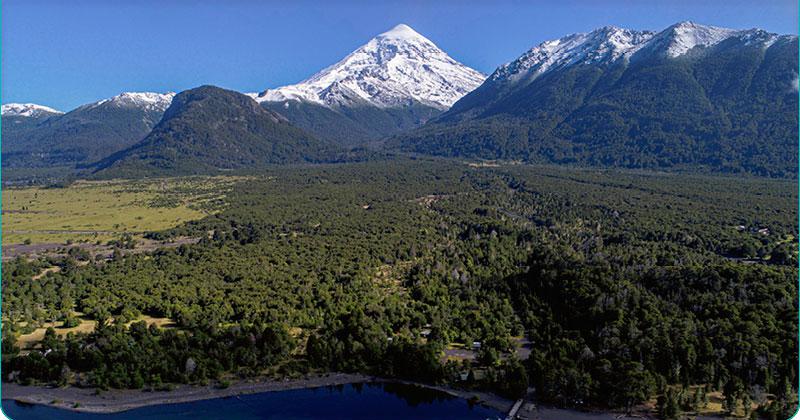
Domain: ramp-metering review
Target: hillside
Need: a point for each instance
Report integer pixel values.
(691, 96)
(209, 129)
(88, 133)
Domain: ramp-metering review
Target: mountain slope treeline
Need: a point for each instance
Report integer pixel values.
(730, 107)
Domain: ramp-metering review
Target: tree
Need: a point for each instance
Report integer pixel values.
(637, 385)
(9, 344)
(488, 356)
(514, 381)
(732, 390)
(747, 404)
(70, 321)
(697, 399)
(668, 405)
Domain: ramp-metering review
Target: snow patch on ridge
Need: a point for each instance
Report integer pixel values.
(26, 110)
(685, 36)
(145, 100)
(611, 43)
(605, 44)
(401, 32)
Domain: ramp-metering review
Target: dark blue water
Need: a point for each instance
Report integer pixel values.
(357, 401)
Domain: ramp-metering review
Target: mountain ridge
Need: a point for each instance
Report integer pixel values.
(688, 96)
(15, 109)
(36, 138)
(619, 43)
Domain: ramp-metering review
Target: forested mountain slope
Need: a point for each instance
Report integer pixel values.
(83, 135)
(208, 129)
(691, 96)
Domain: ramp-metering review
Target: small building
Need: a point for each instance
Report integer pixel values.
(476, 345)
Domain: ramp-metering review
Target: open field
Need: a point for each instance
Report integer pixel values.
(93, 211)
(29, 341)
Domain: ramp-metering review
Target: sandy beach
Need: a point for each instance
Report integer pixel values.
(112, 401)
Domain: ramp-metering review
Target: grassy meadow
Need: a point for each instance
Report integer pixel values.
(99, 211)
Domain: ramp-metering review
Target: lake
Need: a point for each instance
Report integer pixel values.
(354, 401)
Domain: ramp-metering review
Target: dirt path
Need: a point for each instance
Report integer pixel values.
(53, 269)
(11, 252)
(74, 232)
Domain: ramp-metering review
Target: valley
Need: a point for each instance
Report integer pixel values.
(604, 226)
(397, 268)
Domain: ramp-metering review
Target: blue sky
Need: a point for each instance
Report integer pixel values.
(63, 54)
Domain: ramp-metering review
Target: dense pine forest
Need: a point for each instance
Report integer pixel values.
(626, 287)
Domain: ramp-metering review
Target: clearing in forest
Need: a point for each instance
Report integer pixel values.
(29, 341)
(90, 211)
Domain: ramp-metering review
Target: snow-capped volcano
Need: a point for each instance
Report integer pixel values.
(393, 69)
(27, 110)
(609, 44)
(149, 101)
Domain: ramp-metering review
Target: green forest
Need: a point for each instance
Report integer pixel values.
(627, 286)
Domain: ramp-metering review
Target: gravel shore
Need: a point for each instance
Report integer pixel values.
(112, 401)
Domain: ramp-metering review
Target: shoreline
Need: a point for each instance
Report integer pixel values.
(85, 400)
